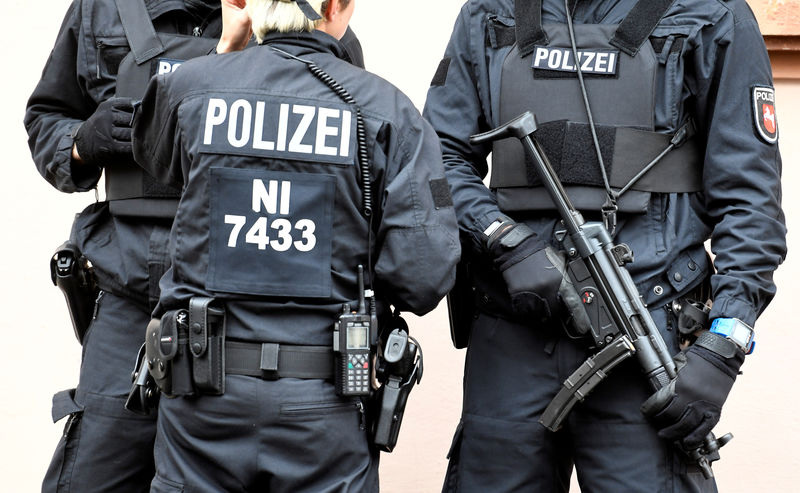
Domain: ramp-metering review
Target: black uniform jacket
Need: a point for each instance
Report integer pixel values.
(271, 219)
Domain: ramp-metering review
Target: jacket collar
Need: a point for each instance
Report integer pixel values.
(304, 43)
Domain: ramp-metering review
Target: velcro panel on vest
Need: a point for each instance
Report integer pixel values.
(626, 151)
(638, 24)
(529, 31)
(574, 158)
(151, 208)
(132, 192)
(569, 148)
(125, 181)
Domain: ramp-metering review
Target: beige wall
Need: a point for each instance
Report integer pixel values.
(39, 355)
(777, 17)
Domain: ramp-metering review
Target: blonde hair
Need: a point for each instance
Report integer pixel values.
(281, 15)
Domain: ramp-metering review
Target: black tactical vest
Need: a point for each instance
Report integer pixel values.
(619, 68)
(129, 190)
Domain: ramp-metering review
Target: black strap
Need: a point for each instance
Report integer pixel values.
(271, 361)
(139, 30)
(524, 199)
(198, 325)
(634, 30)
(719, 345)
(528, 20)
(308, 10)
(157, 208)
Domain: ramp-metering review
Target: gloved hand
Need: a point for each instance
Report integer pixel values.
(689, 407)
(532, 271)
(105, 137)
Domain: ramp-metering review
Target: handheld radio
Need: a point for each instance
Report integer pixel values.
(351, 346)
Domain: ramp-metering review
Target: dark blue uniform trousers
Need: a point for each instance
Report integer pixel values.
(512, 372)
(279, 436)
(104, 448)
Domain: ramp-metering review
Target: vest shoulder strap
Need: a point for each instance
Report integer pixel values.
(640, 22)
(632, 32)
(528, 22)
(139, 30)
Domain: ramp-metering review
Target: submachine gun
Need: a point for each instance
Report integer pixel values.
(616, 318)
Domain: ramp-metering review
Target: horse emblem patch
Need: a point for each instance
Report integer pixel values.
(764, 113)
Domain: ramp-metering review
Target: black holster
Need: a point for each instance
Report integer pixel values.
(70, 271)
(167, 353)
(144, 393)
(399, 369)
(185, 350)
(692, 311)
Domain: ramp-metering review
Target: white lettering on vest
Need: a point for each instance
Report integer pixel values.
(554, 60)
(599, 61)
(215, 115)
(280, 127)
(258, 130)
(268, 197)
(233, 125)
(300, 132)
(167, 66)
(586, 66)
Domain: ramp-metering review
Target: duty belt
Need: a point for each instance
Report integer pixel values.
(271, 361)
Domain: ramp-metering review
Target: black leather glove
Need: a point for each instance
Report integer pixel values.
(532, 271)
(105, 138)
(689, 407)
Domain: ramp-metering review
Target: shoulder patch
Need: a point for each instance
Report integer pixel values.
(440, 76)
(763, 102)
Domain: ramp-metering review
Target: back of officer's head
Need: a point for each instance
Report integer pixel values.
(284, 16)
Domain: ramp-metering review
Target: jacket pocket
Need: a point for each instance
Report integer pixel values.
(110, 52)
(312, 409)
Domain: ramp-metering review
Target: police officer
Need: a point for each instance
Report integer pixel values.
(78, 121)
(296, 168)
(690, 78)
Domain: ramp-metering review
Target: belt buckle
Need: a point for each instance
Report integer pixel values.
(269, 361)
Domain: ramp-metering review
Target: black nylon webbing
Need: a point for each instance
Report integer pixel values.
(246, 358)
(139, 30)
(638, 24)
(528, 20)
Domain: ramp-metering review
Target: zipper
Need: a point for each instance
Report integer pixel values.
(97, 304)
(314, 408)
(71, 422)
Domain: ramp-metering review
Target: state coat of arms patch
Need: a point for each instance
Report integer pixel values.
(764, 113)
